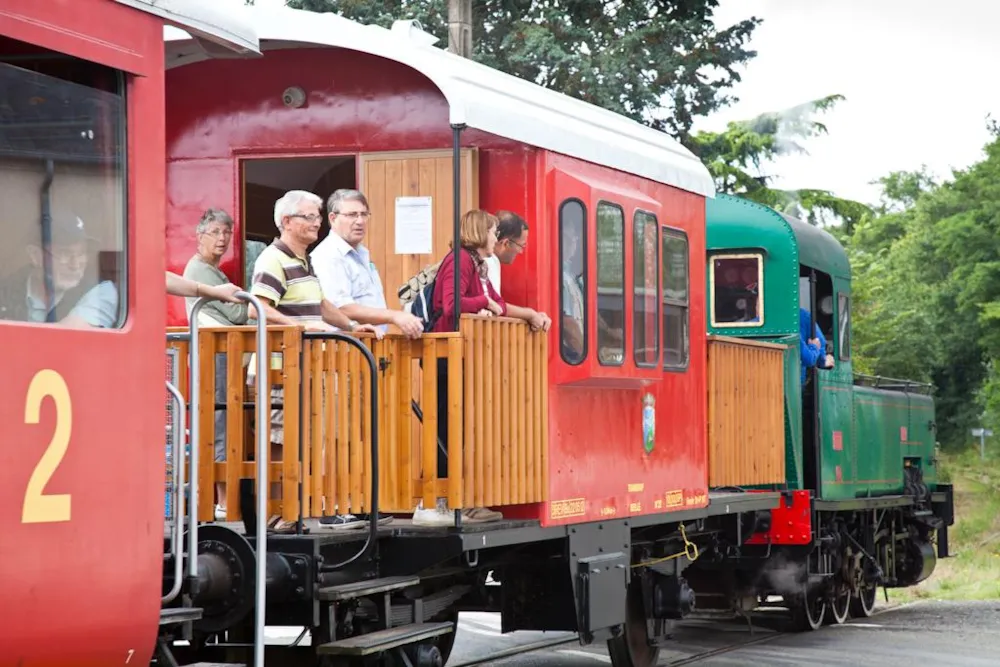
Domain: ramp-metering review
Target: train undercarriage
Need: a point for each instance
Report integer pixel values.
(853, 548)
(617, 581)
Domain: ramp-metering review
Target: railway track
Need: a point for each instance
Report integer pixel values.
(555, 643)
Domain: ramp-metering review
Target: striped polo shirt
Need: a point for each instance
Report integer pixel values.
(288, 281)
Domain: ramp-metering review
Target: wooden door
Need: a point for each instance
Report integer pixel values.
(385, 176)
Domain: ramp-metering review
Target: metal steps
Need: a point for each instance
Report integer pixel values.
(176, 615)
(358, 589)
(384, 640)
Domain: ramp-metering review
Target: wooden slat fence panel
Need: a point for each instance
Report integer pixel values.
(745, 412)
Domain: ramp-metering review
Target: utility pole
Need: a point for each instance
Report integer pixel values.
(460, 27)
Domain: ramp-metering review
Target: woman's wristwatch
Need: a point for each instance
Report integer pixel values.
(354, 325)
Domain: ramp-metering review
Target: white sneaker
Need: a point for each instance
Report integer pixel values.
(220, 513)
(439, 516)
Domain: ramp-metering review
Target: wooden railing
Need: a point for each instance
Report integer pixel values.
(746, 424)
(497, 410)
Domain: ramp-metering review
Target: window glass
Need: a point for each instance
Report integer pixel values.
(610, 284)
(645, 300)
(676, 279)
(62, 183)
(573, 284)
(844, 324)
(737, 290)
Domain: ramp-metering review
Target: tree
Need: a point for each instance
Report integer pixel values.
(659, 62)
(736, 156)
(927, 289)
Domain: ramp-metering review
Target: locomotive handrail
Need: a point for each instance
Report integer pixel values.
(881, 382)
(178, 537)
(261, 457)
(373, 395)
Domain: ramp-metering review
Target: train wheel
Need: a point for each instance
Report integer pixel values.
(808, 609)
(632, 648)
(446, 642)
(863, 604)
(838, 609)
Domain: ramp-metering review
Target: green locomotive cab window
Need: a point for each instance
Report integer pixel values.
(676, 281)
(610, 284)
(844, 326)
(645, 301)
(737, 290)
(63, 178)
(573, 286)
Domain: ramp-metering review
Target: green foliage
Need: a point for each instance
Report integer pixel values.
(927, 289)
(660, 62)
(735, 158)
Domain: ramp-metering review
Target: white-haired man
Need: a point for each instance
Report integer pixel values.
(283, 278)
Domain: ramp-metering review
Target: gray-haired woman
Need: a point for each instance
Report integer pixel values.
(214, 234)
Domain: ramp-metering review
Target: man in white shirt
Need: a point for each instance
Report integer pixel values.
(512, 240)
(345, 269)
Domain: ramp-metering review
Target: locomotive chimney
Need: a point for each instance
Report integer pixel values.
(460, 27)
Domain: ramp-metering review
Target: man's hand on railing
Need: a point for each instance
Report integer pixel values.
(485, 312)
(409, 324)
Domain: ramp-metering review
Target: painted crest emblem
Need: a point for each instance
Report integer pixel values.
(648, 422)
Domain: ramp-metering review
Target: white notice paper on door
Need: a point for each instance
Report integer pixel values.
(413, 226)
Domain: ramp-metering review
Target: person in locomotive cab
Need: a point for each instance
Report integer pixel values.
(284, 279)
(812, 350)
(512, 240)
(78, 299)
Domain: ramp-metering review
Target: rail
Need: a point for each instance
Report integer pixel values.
(893, 384)
(177, 448)
(373, 443)
(331, 412)
(261, 454)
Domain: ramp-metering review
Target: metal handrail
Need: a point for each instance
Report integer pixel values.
(373, 394)
(262, 459)
(178, 536)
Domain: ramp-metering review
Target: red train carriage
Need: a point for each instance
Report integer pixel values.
(81, 176)
(597, 457)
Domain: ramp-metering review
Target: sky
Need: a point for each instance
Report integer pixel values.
(918, 77)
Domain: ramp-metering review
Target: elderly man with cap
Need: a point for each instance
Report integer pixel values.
(55, 286)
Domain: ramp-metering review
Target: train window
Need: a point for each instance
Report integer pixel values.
(645, 315)
(573, 286)
(62, 181)
(737, 294)
(610, 284)
(844, 325)
(676, 279)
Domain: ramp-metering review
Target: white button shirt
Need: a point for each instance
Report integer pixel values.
(347, 275)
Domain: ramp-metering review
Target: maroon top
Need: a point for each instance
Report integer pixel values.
(470, 284)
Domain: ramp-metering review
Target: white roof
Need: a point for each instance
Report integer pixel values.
(482, 97)
(205, 21)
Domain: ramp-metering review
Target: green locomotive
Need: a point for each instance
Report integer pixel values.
(862, 506)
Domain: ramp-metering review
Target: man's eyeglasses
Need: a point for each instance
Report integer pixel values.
(312, 217)
(517, 244)
(355, 215)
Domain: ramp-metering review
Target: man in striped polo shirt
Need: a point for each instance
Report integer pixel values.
(283, 277)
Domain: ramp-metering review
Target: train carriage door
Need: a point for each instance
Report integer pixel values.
(399, 186)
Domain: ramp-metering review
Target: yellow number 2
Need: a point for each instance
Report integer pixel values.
(38, 507)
